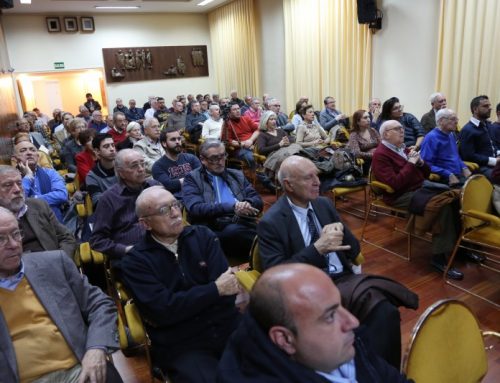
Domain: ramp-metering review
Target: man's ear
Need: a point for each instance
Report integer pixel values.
(144, 223)
(283, 338)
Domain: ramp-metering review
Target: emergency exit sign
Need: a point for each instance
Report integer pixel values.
(59, 65)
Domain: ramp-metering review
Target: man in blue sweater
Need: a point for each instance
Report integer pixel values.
(183, 287)
(476, 143)
(172, 167)
(439, 149)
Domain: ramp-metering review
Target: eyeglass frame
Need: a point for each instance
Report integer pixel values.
(4, 238)
(166, 210)
(213, 160)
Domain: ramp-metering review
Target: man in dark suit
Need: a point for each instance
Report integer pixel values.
(303, 227)
(75, 326)
(428, 120)
(297, 330)
(41, 229)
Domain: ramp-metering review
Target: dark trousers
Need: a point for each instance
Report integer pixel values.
(384, 332)
(112, 375)
(194, 367)
(236, 240)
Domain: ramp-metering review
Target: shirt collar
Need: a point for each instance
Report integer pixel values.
(298, 209)
(11, 283)
(475, 121)
(346, 373)
(22, 212)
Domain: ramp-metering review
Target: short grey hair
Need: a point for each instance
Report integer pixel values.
(4, 169)
(149, 121)
(120, 157)
(140, 209)
(4, 210)
(208, 144)
(133, 125)
(96, 112)
(386, 125)
(265, 117)
(444, 113)
(434, 96)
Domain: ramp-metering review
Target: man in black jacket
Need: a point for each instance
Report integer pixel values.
(183, 288)
(297, 330)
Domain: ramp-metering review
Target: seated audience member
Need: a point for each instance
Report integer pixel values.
(120, 107)
(281, 118)
(413, 131)
(439, 149)
(171, 168)
(84, 114)
(39, 182)
(194, 122)
(428, 120)
(241, 133)
(476, 142)
(304, 227)
(330, 117)
(150, 146)
(161, 113)
(44, 159)
(374, 107)
(61, 132)
(297, 330)
(91, 104)
(56, 119)
(102, 176)
(134, 113)
(147, 104)
(41, 229)
(255, 111)
(309, 133)
(72, 145)
(274, 143)
(297, 117)
(150, 112)
(212, 127)
(177, 119)
(116, 227)
(183, 288)
(85, 160)
(204, 109)
(23, 126)
(247, 100)
(404, 171)
(363, 139)
(134, 134)
(54, 325)
(222, 199)
(234, 98)
(109, 124)
(118, 131)
(97, 123)
(495, 128)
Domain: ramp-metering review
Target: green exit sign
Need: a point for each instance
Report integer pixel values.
(59, 65)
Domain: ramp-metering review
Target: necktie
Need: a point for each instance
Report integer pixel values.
(313, 230)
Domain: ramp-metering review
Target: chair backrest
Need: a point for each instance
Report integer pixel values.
(255, 263)
(446, 346)
(476, 195)
(377, 188)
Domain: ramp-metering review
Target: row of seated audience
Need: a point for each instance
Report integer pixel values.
(179, 274)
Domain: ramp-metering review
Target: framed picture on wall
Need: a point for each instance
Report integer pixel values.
(70, 24)
(53, 24)
(87, 24)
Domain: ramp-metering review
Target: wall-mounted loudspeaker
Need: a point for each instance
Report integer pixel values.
(6, 4)
(367, 11)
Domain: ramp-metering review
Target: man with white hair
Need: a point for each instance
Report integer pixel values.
(374, 109)
(150, 146)
(428, 121)
(183, 287)
(120, 107)
(439, 149)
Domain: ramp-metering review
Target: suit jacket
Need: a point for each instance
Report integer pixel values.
(428, 121)
(85, 316)
(280, 239)
(51, 234)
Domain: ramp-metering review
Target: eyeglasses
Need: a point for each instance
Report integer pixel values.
(399, 128)
(167, 209)
(137, 165)
(16, 235)
(400, 107)
(216, 159)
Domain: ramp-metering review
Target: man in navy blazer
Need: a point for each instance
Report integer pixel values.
(303, 227)
(53, 323)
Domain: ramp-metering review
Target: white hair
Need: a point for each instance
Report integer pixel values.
(444, 113)
(434, 96)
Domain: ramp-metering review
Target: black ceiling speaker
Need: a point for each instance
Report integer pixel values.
(6, 4)
(367, 11)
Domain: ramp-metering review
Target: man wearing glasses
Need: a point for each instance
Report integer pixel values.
(222, 199)
(116, 227)
(281, 118)
(183, 287)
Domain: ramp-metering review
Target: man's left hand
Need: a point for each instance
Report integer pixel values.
(466, 172)
(93, 367)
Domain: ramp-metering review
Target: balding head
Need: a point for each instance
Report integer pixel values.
(298, 177)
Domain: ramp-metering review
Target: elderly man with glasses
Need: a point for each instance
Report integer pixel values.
(222, 199)
(116, 227)
(183, 287)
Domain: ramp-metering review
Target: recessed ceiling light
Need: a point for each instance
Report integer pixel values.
(117, 7)
(205, 2)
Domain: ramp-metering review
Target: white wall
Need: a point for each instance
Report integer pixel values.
(32, 49)
(405, 53)
(272, 48)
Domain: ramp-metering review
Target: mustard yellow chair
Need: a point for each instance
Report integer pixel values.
(480, 229)
(446, 346)
(247, 278)
(376, 206)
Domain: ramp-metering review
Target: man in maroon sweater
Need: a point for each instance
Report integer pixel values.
(404, 171)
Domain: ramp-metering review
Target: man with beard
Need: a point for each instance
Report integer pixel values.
(41, 230)
(476, 143)
(171, 168)
(183, 287)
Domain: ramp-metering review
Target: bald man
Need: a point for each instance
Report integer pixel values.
(304, 227)
(297, 330)
(184, 289)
